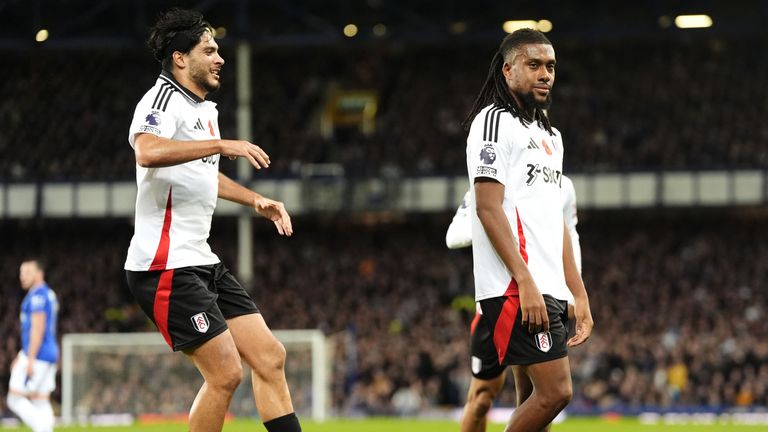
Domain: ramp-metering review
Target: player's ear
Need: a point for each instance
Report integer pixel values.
(506, 69)
(179, 60)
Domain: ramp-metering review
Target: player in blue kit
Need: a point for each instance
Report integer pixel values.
(33, 372)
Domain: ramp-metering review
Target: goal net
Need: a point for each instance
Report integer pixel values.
(123, 377)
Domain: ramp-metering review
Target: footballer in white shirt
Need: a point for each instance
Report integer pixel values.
(523, 261)
(459, 234)
(193, 299)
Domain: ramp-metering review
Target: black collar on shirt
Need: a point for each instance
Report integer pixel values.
(168, 77)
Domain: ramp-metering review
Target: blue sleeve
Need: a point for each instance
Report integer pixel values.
(38, 302)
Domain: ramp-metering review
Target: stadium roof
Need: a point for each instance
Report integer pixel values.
(118, 23)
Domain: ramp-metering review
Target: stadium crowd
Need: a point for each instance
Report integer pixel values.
(664, 104)
(679, 304)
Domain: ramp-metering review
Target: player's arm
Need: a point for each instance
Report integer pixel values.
(268, 208)
(36, 333)
(489, 195)
(582, 312)
(154, 151)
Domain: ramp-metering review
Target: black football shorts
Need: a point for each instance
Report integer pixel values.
(499, 338)
(190, 305)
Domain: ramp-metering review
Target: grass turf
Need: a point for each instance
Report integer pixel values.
(385, 424)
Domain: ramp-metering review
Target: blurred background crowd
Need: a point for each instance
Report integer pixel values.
(679, 303)
(654, 118)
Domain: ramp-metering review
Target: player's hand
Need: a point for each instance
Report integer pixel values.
(237, 148)
(274, 211)
(584, 323)
(533, 308)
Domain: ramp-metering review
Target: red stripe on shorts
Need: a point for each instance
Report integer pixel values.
(475, 320)
(162, 302)
(504, 325)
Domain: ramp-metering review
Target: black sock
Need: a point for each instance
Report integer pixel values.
(286, 423)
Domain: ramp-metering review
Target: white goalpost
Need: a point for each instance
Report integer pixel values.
(122, 377)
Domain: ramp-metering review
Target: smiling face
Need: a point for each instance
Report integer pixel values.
(530, 74)
(203, 64)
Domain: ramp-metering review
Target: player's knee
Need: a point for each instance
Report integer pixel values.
(480, 403)
(557, 399)
(564, 398)
(277, 355)
(271, 364)
(229, 377)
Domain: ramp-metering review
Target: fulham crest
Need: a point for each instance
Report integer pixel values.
(200, 322)
(543, 341)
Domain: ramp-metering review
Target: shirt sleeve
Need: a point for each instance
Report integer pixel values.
(568, 194)
(459, 233)
(155, 114)
(489, 155)
(571, 219)
(38, 303)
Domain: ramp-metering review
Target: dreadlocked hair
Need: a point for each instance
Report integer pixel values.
(495, 90)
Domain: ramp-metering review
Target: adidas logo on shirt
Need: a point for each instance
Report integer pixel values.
(199, 125)
(532, 144)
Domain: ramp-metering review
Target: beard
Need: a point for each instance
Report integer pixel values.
(530, 101)
(201, 77)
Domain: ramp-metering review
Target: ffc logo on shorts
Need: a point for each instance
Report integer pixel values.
(543, 341)
(200, 322)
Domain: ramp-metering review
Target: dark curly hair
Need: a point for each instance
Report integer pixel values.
(495, 89)
(176, 30)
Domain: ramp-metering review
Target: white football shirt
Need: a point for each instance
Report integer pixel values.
(174, 204)
(459, 232)
(528, 162)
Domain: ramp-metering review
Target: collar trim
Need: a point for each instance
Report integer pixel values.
(168, 77)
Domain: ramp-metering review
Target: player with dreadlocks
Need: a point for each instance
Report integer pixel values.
(524, 265)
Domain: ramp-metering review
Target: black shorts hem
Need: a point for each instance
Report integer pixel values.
(487, 375)
(204, 337)
(242, 312)
(539, 359)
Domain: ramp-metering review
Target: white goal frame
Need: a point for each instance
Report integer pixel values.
(315, 338)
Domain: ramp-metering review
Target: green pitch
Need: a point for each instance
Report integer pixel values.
(387, 425)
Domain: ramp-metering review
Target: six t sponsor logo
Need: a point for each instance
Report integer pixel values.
(212, 159)
(547, 174)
